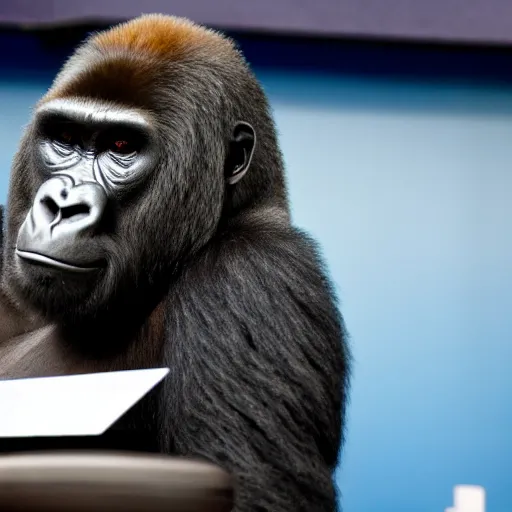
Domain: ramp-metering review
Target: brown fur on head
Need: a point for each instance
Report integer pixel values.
(165, 36)
(138, 51)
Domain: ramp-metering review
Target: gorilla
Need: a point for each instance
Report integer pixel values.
(148, 225)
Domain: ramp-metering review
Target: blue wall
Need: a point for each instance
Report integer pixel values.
(407, 183)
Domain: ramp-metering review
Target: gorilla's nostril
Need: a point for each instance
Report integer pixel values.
(75, 211)
(50, 208)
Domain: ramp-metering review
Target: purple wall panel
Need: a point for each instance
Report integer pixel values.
(480, 21)
(26, 11)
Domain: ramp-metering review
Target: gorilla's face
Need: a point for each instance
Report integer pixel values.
(87, 161)
(103, 201)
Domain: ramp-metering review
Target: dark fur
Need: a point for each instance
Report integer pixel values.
(210, 280)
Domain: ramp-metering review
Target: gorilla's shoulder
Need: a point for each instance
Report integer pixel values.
(271, 251)
(270, 234)
(265, 273)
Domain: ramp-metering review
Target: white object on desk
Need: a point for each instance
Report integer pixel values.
(468, 498)
(75, 405)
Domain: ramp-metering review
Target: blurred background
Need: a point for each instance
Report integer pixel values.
(395, 118)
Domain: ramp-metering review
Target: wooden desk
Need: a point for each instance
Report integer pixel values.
(108, 482)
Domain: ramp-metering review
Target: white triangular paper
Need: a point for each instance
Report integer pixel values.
(75, 405)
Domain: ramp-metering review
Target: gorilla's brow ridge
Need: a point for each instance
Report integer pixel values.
(94, 111)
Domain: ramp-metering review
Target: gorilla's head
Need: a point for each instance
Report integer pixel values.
(152, 137)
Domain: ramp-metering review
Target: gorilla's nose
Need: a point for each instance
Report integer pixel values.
(59, 204)
(62, 216)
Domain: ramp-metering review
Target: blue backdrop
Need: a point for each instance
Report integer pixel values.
(405, 178)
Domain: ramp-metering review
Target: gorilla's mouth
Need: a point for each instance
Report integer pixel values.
(40, 259)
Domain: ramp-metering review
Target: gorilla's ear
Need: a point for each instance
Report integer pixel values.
(241, 149)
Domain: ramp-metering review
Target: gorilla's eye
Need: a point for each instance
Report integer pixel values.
(120, 141)
(122, 146)
(65, 136)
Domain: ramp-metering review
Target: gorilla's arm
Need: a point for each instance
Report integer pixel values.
(260, 369)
